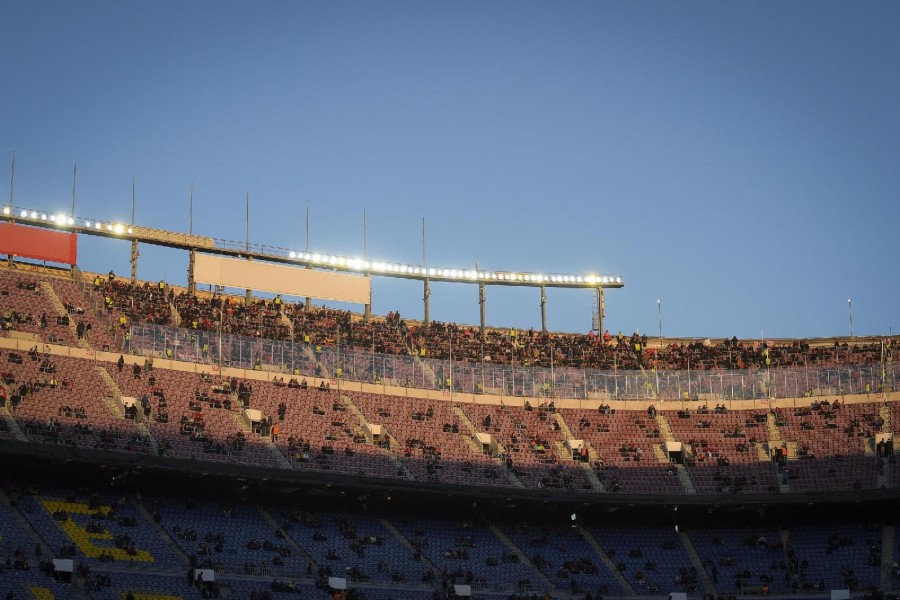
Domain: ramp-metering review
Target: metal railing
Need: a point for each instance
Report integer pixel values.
(294, 357)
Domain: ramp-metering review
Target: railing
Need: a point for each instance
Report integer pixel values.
(230, 350)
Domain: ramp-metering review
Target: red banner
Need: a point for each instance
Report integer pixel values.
(40, 244)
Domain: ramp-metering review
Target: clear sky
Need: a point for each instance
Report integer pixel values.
(739, 162)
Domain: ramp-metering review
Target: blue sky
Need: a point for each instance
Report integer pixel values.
(738, 161)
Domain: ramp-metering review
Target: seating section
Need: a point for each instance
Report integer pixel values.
(59, 400)
(564, 556)
(83, 304)
(841, 556)
(740, 560)
(356, 544)
(532, 444)
(725, 450)
(145, 542)
(650, 560)
(832, 445)
(192, 418)
(317, 431)
(626, 446)
(470, 553)
(24, 307)
(431, 441)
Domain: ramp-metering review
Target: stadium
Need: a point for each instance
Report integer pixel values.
(279, 449)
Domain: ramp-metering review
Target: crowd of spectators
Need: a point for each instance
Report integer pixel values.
(323, 327)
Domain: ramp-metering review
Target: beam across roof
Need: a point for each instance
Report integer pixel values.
(315, 260)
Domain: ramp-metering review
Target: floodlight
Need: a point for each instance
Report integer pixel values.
(292, 254)
(43, 216)
(70, 221)
(118, 228)
(109, 227)
(5, 210)
(87, 224)
(34, 214)
(130, 230)
(98, 226)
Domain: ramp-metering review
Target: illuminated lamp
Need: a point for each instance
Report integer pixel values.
(118, 228)
(70, 221)
(33, 214)
(43, 216)
(98, 226)
(292, 254)
(5, 210)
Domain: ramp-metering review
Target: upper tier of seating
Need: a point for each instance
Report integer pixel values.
(161, 304)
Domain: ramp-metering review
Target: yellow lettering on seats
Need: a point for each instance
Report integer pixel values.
(85, 539)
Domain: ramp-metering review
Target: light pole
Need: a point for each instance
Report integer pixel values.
(850, 313)
(659, 317)
(658, 350)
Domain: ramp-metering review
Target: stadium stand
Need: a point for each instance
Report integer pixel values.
(146, 375)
